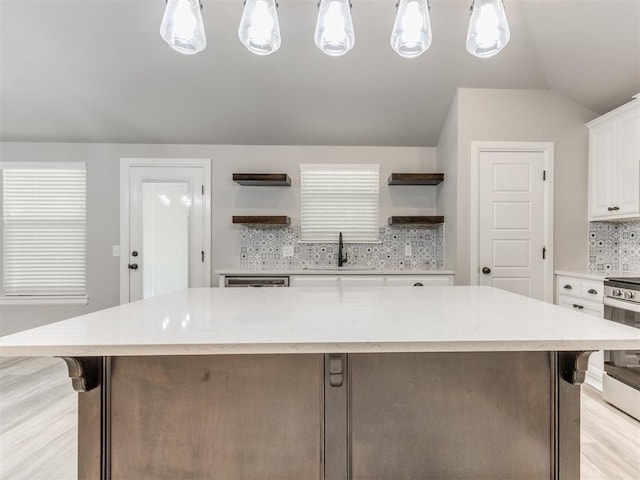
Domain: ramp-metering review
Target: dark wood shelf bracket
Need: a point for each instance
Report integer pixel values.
(573, 366)
(85, 372)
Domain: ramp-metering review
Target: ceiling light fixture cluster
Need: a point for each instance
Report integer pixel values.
(182, 27)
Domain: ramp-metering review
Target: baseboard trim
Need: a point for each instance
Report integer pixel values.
(594, 379)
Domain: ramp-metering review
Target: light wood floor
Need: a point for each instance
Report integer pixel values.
(38, 427)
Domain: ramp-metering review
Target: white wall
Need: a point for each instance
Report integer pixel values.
(528, 115)
(233, 199)
(447, 201)
(228, 199)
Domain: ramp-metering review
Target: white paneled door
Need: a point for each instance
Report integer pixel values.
(167, 244)
(512, 248)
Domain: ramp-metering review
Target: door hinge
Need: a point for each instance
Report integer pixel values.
(202, 255)
(544, 175)
(202, 189)
(544, 253)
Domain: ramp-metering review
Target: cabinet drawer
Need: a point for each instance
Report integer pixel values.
(583, 306)
(592, 290)
(569, 286)
(314, 281)
(362, 281)
(417, 281)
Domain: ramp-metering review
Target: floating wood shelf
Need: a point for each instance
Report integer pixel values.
(262, 179)
(415, 178)
(416, 220)
(263, 219)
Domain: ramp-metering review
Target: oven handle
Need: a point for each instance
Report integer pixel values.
(621, 304)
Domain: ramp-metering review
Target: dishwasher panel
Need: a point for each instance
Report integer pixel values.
(256, 281)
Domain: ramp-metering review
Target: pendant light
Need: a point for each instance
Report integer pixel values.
(259, 28)
(488, 28)
(334, 28)
(182, 26)
(411, 35)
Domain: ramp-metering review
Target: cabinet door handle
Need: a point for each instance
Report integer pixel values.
(579, 307)
(592, 291)
(610, 209)
(418, 284)
(568, 287)
(616, 208)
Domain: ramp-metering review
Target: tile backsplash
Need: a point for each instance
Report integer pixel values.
(614, 246)
(261, 248)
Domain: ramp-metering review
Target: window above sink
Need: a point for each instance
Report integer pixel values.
(339, 198)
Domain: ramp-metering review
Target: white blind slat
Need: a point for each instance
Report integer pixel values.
(339, 198)
(43, 230)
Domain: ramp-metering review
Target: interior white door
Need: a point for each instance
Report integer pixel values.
(511, 221)
(166, 226)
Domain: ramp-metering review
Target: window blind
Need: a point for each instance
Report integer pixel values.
(43, 229)
(339, 198)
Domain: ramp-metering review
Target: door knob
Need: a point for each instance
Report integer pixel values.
(133, 266)
(486, 270)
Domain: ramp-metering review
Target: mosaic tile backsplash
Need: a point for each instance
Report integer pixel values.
(614, 246)
(261, 248)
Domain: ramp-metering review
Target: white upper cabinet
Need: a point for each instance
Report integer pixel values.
(614, 164)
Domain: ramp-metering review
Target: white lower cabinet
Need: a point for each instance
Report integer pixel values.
(373, 280)
(419, 281)
(362, 280)
(584, 295)
(314, 281)
(582, 306)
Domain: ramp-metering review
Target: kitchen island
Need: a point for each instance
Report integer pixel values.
(335, 383)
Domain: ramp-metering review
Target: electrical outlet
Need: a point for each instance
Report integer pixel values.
(115, 250)
(287, 251)
(407, 250)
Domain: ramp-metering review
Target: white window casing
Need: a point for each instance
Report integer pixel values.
(339, 198)
(43, 232)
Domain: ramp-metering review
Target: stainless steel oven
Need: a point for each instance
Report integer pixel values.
(621, 382)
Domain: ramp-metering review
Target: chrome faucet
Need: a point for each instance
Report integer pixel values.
(342, 259)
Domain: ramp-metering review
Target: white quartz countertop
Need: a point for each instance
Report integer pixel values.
(596, 275)
(332, 271)
(315, 320)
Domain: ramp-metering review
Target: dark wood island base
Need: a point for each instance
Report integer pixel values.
(386, 416)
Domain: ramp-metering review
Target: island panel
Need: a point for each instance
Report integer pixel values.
(228, 417)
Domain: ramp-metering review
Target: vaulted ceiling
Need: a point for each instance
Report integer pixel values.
(98, 71)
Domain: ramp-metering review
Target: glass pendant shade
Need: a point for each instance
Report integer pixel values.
(182, 27)
(334, 29)
(411, 35)
(488, 28)
(259, 28)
